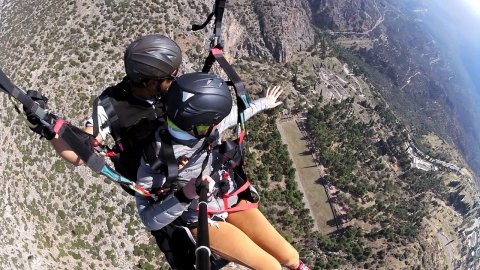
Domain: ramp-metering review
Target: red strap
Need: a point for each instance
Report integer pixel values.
(235, 208)
(145, 193)
(58, 125)
(111, 154)
(238, 207)
(216, 51)
(240, 137)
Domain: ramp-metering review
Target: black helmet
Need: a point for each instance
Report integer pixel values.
(152, 57)
(196, 99)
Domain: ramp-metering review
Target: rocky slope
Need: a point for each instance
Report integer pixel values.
(418, 78)
(54, 216)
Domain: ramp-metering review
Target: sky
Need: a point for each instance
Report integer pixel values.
(455, 25)
(467, 14)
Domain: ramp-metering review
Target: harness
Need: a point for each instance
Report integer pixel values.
(132, 122)
(216, 55)
(229, 167)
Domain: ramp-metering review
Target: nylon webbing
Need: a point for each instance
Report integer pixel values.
(96, 128)
(112, 118)
(219, 9)
(167, 155)
(69, 134)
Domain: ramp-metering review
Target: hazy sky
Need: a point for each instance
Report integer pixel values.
(456, 24)
(467, 14)
(458, 21)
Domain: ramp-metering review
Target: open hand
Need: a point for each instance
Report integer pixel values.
(273, 92)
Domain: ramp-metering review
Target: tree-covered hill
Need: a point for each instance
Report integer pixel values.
(57, 216)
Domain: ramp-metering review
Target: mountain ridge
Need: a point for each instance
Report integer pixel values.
(73, 49)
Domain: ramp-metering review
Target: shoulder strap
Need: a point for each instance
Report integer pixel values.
(96, 128)
(112, 117)
(164, 159)
(113, 120)
(167, 155)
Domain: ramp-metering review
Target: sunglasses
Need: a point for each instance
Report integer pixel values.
(171, 77)
(202, 128)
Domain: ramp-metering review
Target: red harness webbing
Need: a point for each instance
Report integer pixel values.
(235, 208)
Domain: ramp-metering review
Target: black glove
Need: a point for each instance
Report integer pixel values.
(223, 187)
(43, 129)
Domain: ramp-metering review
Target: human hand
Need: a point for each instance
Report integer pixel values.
(193, 187)
(273, 92)
(34, 123)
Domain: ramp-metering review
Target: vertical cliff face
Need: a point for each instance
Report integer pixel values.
(355, 16)
(285, 27)
(268, 29)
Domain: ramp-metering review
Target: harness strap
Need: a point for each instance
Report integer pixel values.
(216, 54)
(167, 155)
(238, 207)
(96, 128)
(196, 27)
(218, 11)
(114, 124)
(113, 119)
(67, 133)
(207, 146)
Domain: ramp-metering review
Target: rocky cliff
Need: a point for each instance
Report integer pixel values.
(285, 26)
(55, 216)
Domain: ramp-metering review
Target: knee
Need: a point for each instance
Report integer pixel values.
(290, 258)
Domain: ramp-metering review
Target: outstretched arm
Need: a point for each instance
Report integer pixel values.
(66, 152)
(270, 101)
(273, 92)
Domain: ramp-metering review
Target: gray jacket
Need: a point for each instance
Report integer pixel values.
(157, 215)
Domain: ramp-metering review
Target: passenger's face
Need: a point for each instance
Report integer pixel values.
(165, 83)
(163, 86)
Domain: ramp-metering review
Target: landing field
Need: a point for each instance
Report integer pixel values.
(307, 173)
